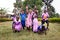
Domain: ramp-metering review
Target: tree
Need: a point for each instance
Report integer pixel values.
(32, 3)
(2, 11)
(57, 15)
(51, 11)
(50, 8)
(18, 3)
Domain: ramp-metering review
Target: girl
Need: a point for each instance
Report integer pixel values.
(35, 23)
(28, 20)
(16, 25)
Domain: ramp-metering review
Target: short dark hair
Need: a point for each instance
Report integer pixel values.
(45, 11)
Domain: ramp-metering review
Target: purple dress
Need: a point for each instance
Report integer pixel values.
(18, 26)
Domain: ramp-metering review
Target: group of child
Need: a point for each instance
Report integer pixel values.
(28, 19)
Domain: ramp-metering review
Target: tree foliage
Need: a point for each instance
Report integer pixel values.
(2, 11)
(32, 3)
(50, 8)
(39, 4)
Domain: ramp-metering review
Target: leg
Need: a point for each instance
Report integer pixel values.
(42, 22)
(32, 28)
(47, 23)
(23, 24)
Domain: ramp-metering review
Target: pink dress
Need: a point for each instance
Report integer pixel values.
(28, 20)
(35, 24)
(32, 15)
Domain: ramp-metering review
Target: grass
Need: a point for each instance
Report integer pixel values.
(7, 34)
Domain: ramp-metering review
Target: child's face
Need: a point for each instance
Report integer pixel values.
(22, 11)
(30, 10)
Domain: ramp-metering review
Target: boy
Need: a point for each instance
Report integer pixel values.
(23, 18)
(41, 29)
(45, 17)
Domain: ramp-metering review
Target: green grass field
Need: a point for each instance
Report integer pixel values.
(7, 34)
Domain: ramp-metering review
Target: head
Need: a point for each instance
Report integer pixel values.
(17, 18)
(45, 11)
(26, 6)
(30, 10)
(22, 11)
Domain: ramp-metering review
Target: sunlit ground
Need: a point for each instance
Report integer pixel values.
(7, 34)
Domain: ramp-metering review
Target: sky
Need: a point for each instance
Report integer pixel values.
(56, 5)
(8, 4)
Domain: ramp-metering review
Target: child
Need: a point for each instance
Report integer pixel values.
(35, 23)
(41, 29)
(17, 25)
(23, 18)
(28, 21)
(45, 16)
(32, 13)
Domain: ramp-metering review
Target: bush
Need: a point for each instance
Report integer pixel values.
(5, 19)
(54, 20)
(57, 20)
(39, 19)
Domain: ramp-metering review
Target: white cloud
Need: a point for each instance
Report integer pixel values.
(7, 4)
(56, 4)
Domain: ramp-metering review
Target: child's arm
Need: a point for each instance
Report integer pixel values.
(42, 15)
(47, 15)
